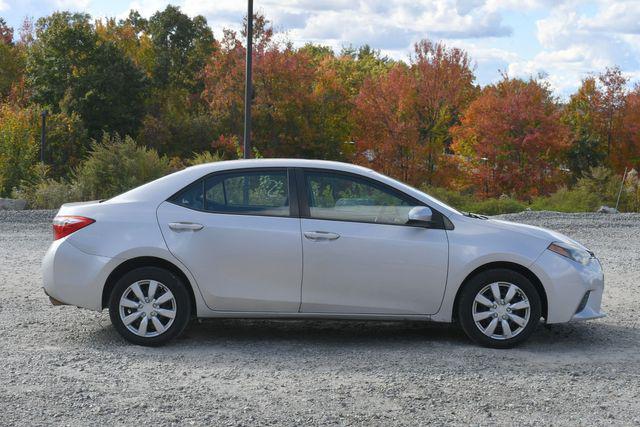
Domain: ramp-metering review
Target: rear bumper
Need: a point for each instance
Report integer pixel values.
(73, 277)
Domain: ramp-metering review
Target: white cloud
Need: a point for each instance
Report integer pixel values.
(576, 45)
(145, 7)
(368, 21)
(77, 5)
(3, 5)
(617, 17)
(574, 37)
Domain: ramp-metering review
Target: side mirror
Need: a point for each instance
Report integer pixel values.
(420, 215)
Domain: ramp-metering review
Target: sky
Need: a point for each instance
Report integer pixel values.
(564, 40)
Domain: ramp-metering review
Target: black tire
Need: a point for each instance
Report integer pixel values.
(167, 279)
(478, 283)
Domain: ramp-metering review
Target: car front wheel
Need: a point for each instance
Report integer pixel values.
(149, 306)
(499, 308)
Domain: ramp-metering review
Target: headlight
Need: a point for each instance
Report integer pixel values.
(576, 254)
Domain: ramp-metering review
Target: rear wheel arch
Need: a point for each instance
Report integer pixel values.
(132, 264)
(518, 268)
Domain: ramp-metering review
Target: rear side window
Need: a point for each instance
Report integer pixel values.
(249, 193)
(190, 197)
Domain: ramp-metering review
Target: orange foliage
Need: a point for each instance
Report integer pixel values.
(511, 139)
(403, 117)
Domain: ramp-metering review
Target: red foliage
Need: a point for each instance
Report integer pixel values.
(511, 139)
(6, 32)
(627, 153)
(403, 117)
(289, 99)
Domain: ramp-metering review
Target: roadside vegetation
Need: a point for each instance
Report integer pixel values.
(130, 100)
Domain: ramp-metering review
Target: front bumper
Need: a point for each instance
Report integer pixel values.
(566, 284)
(73, 277)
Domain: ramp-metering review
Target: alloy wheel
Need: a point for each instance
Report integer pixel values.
(147, 308)
(501, 310)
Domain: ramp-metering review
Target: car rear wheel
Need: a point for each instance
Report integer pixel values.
(149, 306)
(499, 308)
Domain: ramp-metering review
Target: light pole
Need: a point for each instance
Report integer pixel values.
(248, 89)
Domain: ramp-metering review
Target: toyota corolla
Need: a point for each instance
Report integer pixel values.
(310, 239)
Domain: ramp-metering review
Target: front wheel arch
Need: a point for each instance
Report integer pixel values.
(132, 264)
(509, 266)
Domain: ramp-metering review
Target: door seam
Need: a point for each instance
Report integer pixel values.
(302, 265)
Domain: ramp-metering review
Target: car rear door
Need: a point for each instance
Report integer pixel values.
(360, 256)
(239, 235)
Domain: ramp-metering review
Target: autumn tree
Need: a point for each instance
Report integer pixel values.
(587, 147)
(6, 32)
(387, 126)
(512, 140)
(12, 60)
(612, 105)
(629, 148)
(131, 39)
(444, 87)
(404, 116)
(297, 109)
(171, 48)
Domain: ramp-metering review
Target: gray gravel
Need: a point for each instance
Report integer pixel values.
(63, 365)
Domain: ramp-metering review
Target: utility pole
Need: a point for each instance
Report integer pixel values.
(248, 89)
(624, 177)
(43, 134)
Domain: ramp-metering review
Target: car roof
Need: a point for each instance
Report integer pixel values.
(285, 163)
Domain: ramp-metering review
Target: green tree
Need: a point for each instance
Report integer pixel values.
(18, 146)
(71, 70)
(586, 148)
(181, 45)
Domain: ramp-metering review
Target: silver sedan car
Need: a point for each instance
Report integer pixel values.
(310, 239)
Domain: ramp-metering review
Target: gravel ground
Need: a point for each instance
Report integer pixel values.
(62, 365)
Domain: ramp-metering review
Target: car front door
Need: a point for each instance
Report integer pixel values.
(238, 236)
(360, 256)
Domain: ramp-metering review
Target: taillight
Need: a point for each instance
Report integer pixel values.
(65, 225)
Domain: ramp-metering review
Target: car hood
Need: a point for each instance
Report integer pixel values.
(531, 230)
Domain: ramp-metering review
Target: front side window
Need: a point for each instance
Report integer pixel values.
(250, 193)
(347, 198)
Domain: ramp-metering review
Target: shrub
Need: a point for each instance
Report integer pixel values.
(51, 194)
(498, 206)
(67, 143)
(565, 200)
(460, 201)
(466, 202)
(113, 166)
(204, 157)
(600, 186)
(116, 165)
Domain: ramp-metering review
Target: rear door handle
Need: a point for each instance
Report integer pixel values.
(184, 226)
(320, 235)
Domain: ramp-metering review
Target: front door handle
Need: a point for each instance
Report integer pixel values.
(184, 226)
(320, 235)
